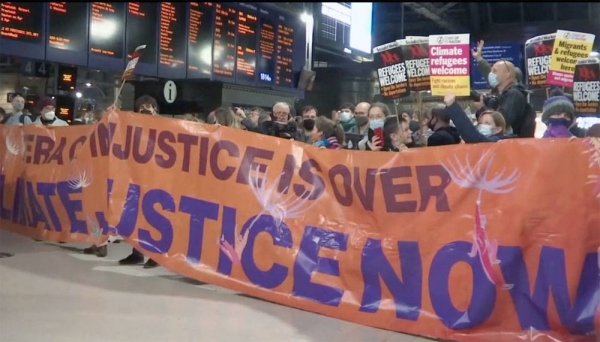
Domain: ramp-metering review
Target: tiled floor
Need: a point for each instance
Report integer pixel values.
(51, 292)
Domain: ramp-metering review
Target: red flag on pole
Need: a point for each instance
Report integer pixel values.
(135, 57)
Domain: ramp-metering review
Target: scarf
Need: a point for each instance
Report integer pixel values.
(557, 131)
(330, 143)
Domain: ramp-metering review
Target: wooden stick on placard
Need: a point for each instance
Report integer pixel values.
(420, 116)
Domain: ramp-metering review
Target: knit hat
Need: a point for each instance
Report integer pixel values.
(45, 101)
(556, 105)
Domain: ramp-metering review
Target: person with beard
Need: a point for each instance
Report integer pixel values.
(279, 126)
(443, 133)
(47, 110)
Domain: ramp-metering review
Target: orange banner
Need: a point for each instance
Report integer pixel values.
(487, 242)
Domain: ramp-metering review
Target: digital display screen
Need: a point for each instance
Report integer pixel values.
(65, 107)
(22, 21)
(141, 29)
(67, 78)
(107, 29)
(200, 38)
(67, 26)
(247, 41)
(266, 49)
(172, 41)
(346, 27)
(285, 43)
(224, 48)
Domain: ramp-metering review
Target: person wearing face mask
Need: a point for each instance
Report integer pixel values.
(17, 117)
(47, 110)
(558, 114)
(439, 123)
(373, 139)
(490, 127)
(146, 105)
(511, 101)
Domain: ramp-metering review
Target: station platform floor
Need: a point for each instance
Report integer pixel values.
(53, 292)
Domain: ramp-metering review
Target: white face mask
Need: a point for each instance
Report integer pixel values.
(485, 130)
(376, 123)
(345, 116)
(49, 115)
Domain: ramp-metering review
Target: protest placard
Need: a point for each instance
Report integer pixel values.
(449, 64)
(538, 51)
(586, 86)
(416, 54)
(391, 70)
(568, 47)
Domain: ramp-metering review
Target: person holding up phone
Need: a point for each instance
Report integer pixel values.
(373, 141)
(396, 134)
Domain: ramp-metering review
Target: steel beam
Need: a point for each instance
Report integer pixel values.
(433, 13)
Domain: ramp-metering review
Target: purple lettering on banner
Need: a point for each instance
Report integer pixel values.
(391, 190)
(72, 207)
(37, 213)
(287, 174)
(232, 151)
(308, 261)
(5, 213)
(311, 178)
(102, 139)
(150, 137)
(129, 213)
(73, 149)
(20, 214)
(228, 224)
(282, 237)
(170, 155)
(157, 221)
(483, 298)
(428, 190)
(43, 148)
(365, 195)
(344, 197)
(57, 155)
(47, 190)
(203, 156)
(407, 292)
(199, 211)
(120, 151)
(249, 163)
(187, 140)
(551, 278)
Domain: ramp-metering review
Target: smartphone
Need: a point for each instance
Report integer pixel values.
(376, 132)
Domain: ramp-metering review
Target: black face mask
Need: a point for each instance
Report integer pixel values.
(146, 111)
(414, 126)
(361, 120)
(308, 124)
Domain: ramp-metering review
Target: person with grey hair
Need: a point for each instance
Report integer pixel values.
(280, 126)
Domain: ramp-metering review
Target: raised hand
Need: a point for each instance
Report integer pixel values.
(477, 52)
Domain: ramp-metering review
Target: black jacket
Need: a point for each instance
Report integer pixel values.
(512, 104)
(444, 136)
(465, 127)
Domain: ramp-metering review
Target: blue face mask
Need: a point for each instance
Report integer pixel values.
(375, 124)
(493, 80)
(559, 122)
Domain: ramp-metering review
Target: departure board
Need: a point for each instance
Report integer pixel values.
(200, 39)
(172, 41)
(67, 32)
(284, 72)
(247, 40)
(225, 37)
(107, 28)
(265, 66)
(21, 21)
(142, 30)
